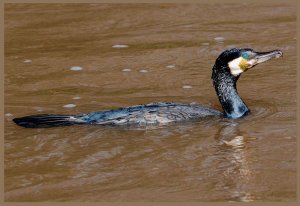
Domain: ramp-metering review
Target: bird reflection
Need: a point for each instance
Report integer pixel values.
(233, 146)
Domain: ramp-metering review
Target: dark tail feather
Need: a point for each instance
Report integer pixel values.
(46, 120)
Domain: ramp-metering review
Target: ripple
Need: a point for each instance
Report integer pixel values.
(39, 109)
(237, 141)
(261, 112)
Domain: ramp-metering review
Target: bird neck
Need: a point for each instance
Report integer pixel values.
(225, 86)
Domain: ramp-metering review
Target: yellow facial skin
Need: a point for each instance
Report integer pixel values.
(244, 65)
(239, 65)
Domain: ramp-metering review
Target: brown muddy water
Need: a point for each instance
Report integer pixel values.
(170, 50)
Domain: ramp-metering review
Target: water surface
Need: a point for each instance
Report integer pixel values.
(73, 58)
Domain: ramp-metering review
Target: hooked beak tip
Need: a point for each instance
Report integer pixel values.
(279, 54)
(266, 56)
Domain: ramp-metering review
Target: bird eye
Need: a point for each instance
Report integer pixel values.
(245, 56)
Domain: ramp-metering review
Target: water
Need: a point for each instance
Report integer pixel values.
(250, 159)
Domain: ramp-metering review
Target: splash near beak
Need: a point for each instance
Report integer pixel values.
(261, 57)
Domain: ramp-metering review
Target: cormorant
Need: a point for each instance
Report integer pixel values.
(225, 73)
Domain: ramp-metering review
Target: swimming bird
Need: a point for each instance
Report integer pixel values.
(226, 71)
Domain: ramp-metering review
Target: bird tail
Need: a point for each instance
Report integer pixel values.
(47, 120)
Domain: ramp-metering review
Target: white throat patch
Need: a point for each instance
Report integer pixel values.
(234, 66)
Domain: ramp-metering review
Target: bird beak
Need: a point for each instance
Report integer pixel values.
(261, 57)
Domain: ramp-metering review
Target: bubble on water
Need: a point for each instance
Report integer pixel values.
(187, 87)
(126, 70)
(118, 46)
(219, 39)
(143, 71)
(76, 68)
(69, 105)
(9, 115)
(27, 61)
(76, 98)
(172, 66)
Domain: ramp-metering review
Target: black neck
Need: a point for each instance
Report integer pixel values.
(225, 86)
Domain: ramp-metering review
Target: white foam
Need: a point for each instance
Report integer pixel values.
(69, 105)
(76, 98)
(143, 71)
(27, 61)
(118, 46)
(76, 68)
(187, 87)
(172, 66)
(8, 114)
(219, 39)
(126, 70)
